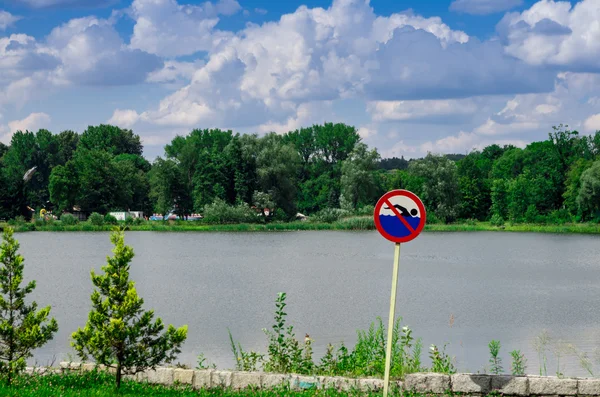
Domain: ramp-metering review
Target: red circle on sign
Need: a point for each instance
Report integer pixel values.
(414, 232)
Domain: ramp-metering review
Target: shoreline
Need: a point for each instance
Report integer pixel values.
(347, 224)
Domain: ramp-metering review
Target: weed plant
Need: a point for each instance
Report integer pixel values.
(519, 363)
(495, 360)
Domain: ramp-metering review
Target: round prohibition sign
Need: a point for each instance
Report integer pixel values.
(400, 216)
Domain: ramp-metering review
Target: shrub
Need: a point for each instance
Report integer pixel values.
(68, 219)
(220, 212)
(23, 327)
(496, 220)
(531, 214)
(139, 221)
(366, 210)
(330, 215)
(96, 219)
(122, 335)
(39, 222)
(129, 220)
(559, 217)
(432, 219)
(110, 220)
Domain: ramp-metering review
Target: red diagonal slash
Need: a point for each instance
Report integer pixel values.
(400, 216)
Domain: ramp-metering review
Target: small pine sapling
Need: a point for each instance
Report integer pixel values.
(119, 333)
(23, 327)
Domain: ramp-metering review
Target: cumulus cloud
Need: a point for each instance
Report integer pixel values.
(592, 123)
(430, 111)
(428, 71)
(124, 118)
(93, 53)
(7, 19)
(175, 73)
(33, 122)
(555, 34)
(263, 74)
(483, 7)
(166, 28)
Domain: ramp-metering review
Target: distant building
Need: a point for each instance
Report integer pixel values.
(122, 215)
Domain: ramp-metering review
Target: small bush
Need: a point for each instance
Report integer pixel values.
(110, 220)
(220, 212)
(330, 215)
(96, 219)
(129, 220)
(432, 219)
(366, 210)
(39, 222)
(531, 214)
(139, 221)
(496, 220)
(560, 217)
(68, 219)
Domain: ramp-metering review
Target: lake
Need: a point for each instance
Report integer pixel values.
(505, 286)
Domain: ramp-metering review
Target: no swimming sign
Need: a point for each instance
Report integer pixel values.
(400, 216)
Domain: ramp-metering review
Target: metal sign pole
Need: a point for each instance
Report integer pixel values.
(391, 320)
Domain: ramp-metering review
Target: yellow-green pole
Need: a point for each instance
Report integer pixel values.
(391, 320)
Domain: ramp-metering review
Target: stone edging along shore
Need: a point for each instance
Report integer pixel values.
(427, 383)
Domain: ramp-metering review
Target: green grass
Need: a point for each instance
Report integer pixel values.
(100, 384)
(350, 223)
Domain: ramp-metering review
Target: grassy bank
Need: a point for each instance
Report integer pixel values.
(352, 223)
(98, 384)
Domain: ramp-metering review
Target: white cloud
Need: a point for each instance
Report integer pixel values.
(262, 75)
(556, 34)
(366, 131)
(465, 142)
(174, 73)
(592, 123)
(93, 53)
(260, 11)
(431, 111)
(483, 7)
(7, 19)
(166, 28)
(124, 118)
(33, 122)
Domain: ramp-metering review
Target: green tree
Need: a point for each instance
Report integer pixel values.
(278, 165)
(499, 195)
(441, 193)
(168, 188)
(119, 333)
(588, 198)
(111, 139)
(573, 184)
(358, 183)
(23, 327)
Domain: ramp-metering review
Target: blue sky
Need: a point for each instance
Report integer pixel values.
(413, 76)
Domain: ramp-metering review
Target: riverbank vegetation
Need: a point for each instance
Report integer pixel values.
(122, 336)
(323, 171)
(101, 384)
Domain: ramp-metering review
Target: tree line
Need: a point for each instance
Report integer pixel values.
(306, 170)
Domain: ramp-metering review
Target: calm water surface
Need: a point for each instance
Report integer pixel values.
(506, 286)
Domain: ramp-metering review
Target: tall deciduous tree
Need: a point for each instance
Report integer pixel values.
(588, 198)
(119, 333)
(23, 327)
(278, 166)
(440, 187)
(358, 183)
